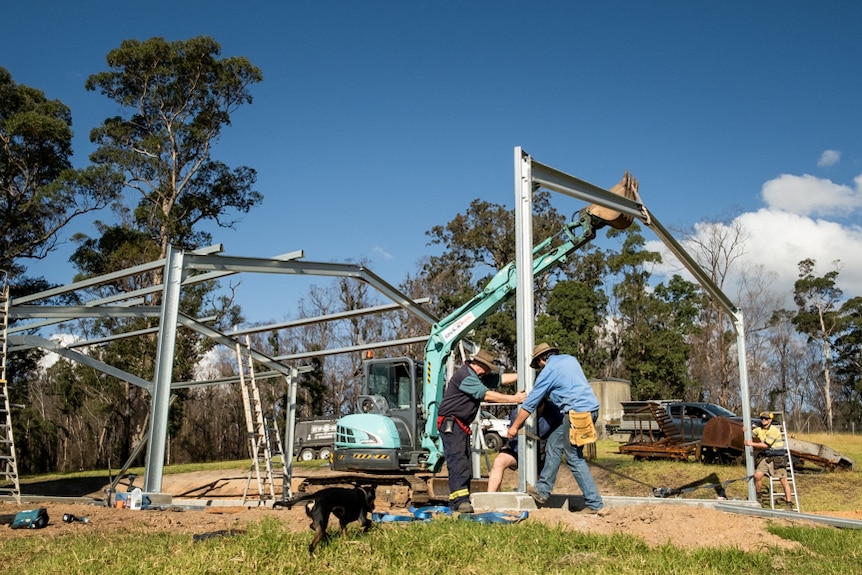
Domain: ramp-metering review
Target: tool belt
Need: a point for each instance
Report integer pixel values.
(583, 430)
(777, 457)
(446, 424)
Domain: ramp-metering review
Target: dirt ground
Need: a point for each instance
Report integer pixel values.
(681, 525)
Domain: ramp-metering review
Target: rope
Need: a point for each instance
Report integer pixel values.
(663, 492)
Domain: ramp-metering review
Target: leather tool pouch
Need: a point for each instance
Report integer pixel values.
(582, 431)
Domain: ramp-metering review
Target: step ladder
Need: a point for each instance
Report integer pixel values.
(9, 484)
(776, 491)
(260, 430)
(276, 449)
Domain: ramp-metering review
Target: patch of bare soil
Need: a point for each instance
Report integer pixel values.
(679, 525)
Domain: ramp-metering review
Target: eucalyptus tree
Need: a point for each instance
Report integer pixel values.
(574, 321)
(40, 191)
(651, 323)
(789, 388)
(476, 245)
(177, 97)
(848, 360)
(174, 101)
(818, 316)
(717, 247)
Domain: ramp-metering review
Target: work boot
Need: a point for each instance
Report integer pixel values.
(789, 505)
(465, 507)
(597, 512)
(537, 497)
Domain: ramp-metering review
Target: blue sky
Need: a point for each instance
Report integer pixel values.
(378, 120)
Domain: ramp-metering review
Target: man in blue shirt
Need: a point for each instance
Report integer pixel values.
(469, 387)
(563, 382)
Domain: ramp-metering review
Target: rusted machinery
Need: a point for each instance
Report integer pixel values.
(720, 440)
(723, 443)
(671, 443)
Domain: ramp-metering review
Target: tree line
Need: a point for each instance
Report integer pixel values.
(602, 305)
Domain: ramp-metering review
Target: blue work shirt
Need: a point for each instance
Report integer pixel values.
(550, 420)
(563, 381)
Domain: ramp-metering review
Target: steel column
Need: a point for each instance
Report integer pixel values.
(527, 449)
(161, 393)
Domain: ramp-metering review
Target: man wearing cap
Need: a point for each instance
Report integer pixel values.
(563, 382)
(773, 461)
(472, 384)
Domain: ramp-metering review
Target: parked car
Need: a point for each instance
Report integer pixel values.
(494, 429)
(690, 417)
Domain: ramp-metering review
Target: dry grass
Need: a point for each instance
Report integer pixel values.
(819, 490)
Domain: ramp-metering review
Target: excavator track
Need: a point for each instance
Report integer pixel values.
(396, 490)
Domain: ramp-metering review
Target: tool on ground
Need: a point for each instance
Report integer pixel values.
(663, 492)
(69, 518)
(30, 519)
(718, 485)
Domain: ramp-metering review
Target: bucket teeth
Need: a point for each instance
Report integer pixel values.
(627, 188)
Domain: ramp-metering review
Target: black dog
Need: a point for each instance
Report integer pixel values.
(348, 504)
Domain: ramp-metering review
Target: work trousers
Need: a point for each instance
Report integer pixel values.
(558, 443)
(456, 450)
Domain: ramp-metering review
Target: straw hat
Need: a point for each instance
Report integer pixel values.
(539, 351)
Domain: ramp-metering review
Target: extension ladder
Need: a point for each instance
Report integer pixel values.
(9, 484)
(260, 430)
(775, 488)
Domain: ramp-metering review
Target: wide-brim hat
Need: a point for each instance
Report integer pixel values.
(486, 359)
(540, 350)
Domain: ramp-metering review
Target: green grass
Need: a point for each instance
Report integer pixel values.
(440, 546)
(450, 546)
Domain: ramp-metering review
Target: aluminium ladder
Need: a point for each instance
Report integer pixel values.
(9, 484)
(775, 488)
(260, 430)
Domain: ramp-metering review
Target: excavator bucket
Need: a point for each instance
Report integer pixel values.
(627, 188)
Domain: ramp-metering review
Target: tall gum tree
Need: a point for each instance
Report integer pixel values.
(175, 100)
(819, 318)
(40, 191)
(476, 245)
(179, 96)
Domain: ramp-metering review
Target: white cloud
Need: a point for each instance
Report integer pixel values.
(381, 252)
(808, 195)
(64, 340)
(829, 158)
(780, 241)
(782, 234)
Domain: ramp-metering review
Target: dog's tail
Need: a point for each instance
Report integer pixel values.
(289, 503)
